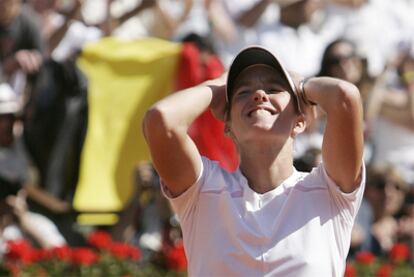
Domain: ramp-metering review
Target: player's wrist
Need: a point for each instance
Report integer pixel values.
(302, 92)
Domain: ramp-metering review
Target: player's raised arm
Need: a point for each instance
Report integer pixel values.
(165, 126)
(343, 139)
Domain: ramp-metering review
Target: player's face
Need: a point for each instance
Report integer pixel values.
(261, 104)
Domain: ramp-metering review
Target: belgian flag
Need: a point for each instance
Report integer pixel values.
(124, 79)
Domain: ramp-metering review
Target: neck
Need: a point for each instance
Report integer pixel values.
(266, 166)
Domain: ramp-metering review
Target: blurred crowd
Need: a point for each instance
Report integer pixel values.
(43, 102)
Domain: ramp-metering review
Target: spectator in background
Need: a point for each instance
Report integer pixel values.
(54, 132)
(391, 111)
(21, 45)
(377, 223)
(17, 175)
(362, 20)
(63, 29)
(17, 222)
(54, 112)
(61, 20)
(14, 163)
(146, 220)
(341, 60)
(223, 28)
(16, 167)
(50, 19)
(166, 19)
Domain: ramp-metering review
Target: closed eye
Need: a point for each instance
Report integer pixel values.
(275, 90)
(242, 91)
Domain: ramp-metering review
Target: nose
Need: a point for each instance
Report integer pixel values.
(260, 96)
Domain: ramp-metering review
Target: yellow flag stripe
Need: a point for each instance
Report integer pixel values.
(125, 79)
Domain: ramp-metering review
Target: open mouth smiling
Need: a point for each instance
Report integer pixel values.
(261, 109)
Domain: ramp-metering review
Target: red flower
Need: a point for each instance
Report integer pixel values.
(134, 253)
(84, 256)
(176, 259)
(365, 257)
(124, 251)
(399, 253)
(100, 239)
(63, 253)
(41, 255)
(20, 250)
(384, 271)
(119, 250)
(350, 271)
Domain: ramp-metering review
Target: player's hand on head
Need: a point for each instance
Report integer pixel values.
(218, 104)
(310, 111)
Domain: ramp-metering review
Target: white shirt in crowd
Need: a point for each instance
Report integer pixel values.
(75, 38)
(301, 228)
(149, 23)
(245, 36)
(394, 145)
(40, 224)
(299, 49)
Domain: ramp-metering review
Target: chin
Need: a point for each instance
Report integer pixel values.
(259, 132)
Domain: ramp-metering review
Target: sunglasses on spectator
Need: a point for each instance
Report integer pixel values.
(382, 184)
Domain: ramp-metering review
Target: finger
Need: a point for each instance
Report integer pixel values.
(38, 60)
(22, 194)
(21, 58)
(34, 60)
(31, 63)
(27, 61)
